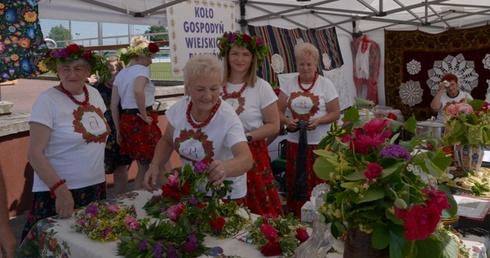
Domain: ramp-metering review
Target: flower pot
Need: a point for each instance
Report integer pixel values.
(468, 157)
(358, 245)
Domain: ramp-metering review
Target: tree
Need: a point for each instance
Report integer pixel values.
(61, 35)
(157, 29)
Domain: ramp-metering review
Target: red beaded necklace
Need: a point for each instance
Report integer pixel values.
(312, 83)
(233, 95)
(85, 90)
(208, 119)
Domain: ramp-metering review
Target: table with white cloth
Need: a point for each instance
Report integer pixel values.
(54, 237)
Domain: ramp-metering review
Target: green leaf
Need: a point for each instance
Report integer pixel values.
(325, 169)
(428, 247)
(411, 124)
(380, 238)
(372, 194)
(358, 175)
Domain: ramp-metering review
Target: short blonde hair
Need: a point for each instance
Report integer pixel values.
(203, 64)
(307, 49)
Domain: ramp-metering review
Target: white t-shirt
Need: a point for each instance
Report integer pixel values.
(73, 148)
(213, 141)
(249, 106)
(124, 82)
(445, 99)
(309, 105)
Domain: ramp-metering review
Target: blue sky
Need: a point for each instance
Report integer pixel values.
(85, 33)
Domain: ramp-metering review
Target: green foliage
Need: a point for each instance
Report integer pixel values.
(60, 34)
(157, 29)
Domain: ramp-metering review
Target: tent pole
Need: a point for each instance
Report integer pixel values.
(243, 21)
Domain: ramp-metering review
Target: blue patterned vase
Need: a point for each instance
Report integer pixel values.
(468, 157)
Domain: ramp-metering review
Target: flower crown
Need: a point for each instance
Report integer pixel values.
(253, 43)
(52, 57)
(135, 51)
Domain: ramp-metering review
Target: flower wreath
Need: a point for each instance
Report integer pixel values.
(276, 236)
(181, 196)
(52, 57)
(104, 221)
(134, 51)
(253, 43)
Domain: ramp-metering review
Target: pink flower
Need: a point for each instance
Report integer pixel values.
(173, 180)
(269, 231)
(131, 223)
(113, 208)
(174, 211)
(373, 170)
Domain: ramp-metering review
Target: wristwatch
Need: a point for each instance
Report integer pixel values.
(249, 137)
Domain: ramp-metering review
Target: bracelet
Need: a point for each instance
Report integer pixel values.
(151, 164)
(56, 185)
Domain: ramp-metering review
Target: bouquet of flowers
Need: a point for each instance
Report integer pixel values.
(276, 236)
(385, 187)
(468, 123)
(105, 221)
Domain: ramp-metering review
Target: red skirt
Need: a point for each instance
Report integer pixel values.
(312, 179)
(262, 194)
(139, 139)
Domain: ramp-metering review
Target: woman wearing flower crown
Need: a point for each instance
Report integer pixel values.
(114, 162)
(202, 128)
(67, 137)
(307, 106)
(448, 92)
(137, 128)
(255, 103)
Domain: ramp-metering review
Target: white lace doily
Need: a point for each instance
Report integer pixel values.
(277, 63)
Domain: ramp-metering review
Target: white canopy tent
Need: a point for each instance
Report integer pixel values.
(350, 17)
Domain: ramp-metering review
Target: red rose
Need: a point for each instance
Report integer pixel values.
(373, 170)
(259, 42)
(302, 235)
(269, 231)
(168, 191)
(218, 223)
(73, 48)
(271, 249)
(87, 55)
(153, 48)
(401, 213)
(420, 222)
(246, 38)
(185, 189)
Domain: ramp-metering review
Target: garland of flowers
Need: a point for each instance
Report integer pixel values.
(312, 83)
(185, 214)
(254, 43)
(208, 119)
(134, 51)
(276, 236)
(85, 90)
(52, 57)
(233, 95)
(104, 221)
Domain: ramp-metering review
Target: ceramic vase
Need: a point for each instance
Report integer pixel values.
(468, 157)
(358, 245)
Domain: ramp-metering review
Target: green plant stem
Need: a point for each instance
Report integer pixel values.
(412, 248)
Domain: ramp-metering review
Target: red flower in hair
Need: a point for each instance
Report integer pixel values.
(87, 55)
(73, 48)
(153, 48)
(246, 38)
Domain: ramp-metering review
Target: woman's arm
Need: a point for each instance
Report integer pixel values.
(38, 140)
(333, 114)
(271, 123)
(241, 162)
(162, 154)
(139, 96)
(115, 99)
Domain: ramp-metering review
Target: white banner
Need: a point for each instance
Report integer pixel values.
(194, 26)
